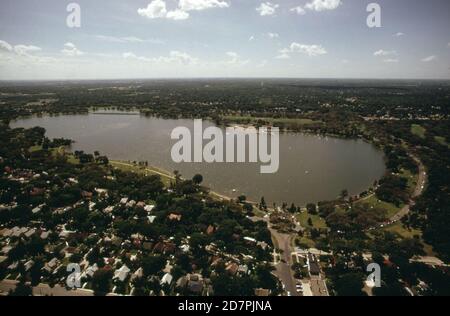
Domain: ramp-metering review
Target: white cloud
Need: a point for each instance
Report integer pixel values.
(284, 54)
(391, 60)
(71, 50)
(127, 39)
(429, 59)
(310, 50)
(178, 15)
(198, 5)
(322, 5)
(267, 8)
(399, 34)
(273, 35)
(448, 44)
(235, 59)
(24, 50)
(383, 52)
(173, 57)
(157, 9)
(262, 64)
(299, 10)
(5, 46)
(252, 38)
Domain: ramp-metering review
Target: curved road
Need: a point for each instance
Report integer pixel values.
(420, 187)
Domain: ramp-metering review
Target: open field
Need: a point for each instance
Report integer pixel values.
(441, 140)
(374, 202)
(318, 222)
(418, 130)
(166, 177)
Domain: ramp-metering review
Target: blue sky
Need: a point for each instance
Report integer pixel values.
(224, 38)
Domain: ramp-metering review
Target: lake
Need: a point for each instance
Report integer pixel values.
(312, 168)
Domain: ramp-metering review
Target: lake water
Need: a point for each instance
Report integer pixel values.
(312, 168)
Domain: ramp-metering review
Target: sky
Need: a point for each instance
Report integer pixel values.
(223, 38)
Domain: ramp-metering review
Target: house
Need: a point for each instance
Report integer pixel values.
(250, 240)
(51, 265)
(102, 192)
(28, 265)
(87, 195)
(5, 232)
(131, 203)
(182, 282)
(151, 219)
(262, 292)
(13, 266)
(174, 217)
(121, 274)
(90, 270)
(168, 267)
(185, 248)
(195, 283)
(140, 204)
(17, 231)
(149, 208)
(116, 241)
(232, 268)
(124, 200)
(44, 235)
(91, 206)
(30, 233)
(139, 273)
(210, 230)
(243, 269)
(109, 209)
(166, 279)
(262, 244)
(6, 250)
(37, 191)
(37, 209)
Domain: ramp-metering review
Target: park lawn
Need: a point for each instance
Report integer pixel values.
(166, 178)
(274, 121)
(418, 130)
(373, 202)
(309, 243)
(412, 179)
(399, 229)
(318, 222)
(404, 232)
(62, 152)
(35, 148)
(441, 140)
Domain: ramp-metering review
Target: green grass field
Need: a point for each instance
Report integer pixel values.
(373, 201)
(441, 140)
(418, 130)
(318, 222)
(166, 177)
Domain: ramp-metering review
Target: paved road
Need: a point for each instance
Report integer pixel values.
(283, 269)
(420, 187)
(318, 287)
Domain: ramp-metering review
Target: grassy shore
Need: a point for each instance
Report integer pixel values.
(166, 177)
(286, 122)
